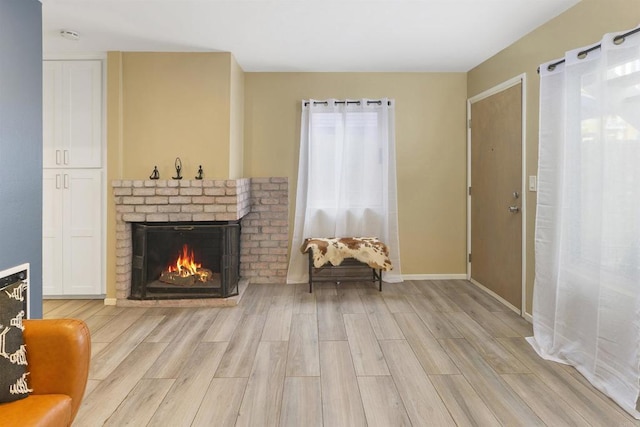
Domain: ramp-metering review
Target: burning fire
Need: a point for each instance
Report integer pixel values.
(185, 266)
(186, 271)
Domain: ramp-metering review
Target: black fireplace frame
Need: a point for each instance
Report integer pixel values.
(141, 288)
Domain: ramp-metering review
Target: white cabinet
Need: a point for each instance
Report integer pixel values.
(72, 224)
(72, 114)
(73, 196)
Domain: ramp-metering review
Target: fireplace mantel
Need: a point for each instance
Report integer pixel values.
(260, 203)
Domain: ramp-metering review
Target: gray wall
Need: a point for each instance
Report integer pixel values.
(21, 140)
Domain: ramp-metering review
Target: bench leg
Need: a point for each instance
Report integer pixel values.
(310, 274)
(377, 277)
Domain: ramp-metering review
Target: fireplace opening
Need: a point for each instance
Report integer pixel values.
(183, 260)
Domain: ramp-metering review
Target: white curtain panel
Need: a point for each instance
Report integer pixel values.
(346, 178)
(586, 306)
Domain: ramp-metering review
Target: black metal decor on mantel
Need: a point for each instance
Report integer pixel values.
(200, 173)
(178, 165)
(155, 174)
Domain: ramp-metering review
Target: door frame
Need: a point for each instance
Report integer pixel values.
(522, 79)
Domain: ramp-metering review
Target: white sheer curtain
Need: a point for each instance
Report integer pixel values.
(346, 178)
(586, 308)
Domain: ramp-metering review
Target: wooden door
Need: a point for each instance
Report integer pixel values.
(496, 193)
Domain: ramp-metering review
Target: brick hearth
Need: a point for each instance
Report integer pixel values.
(262, 204)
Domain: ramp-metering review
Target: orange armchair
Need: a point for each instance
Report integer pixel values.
(58, 353)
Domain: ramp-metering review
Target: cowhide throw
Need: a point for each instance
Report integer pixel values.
(368, 250)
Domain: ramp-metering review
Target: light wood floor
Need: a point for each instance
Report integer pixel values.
(421, 353)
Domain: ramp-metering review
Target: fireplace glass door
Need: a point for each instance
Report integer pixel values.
(185, 260)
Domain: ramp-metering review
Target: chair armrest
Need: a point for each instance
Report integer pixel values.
(58, 353)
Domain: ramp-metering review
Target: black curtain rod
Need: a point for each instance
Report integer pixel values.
(379, 102)
(583, 54)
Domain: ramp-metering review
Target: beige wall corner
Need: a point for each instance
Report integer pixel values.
(236, 122)
(114, 159)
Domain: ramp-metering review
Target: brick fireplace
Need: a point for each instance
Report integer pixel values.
(261, 205)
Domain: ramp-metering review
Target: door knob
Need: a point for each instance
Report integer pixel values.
(514, 209)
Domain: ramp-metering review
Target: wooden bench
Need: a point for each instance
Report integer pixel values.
(347, 259)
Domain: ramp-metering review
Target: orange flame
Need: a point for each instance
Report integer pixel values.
(185, 265)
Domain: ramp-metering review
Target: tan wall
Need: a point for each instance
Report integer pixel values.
(582, 25)
(175, 105)
(430, 148)
(236, 125)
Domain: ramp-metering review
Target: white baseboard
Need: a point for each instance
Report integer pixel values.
(528, 317)
(110, 301)
(434, 276)
(496, 296)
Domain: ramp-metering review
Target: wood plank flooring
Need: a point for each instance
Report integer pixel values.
(419, 353)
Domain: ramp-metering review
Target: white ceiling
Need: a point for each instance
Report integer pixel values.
(303, 35)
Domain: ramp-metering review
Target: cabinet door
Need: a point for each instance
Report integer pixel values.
(72, 114)
(82, 254)
(52, 114)
(82, 113)
(52, 232)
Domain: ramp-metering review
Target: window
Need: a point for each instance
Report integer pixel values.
(346, 177)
